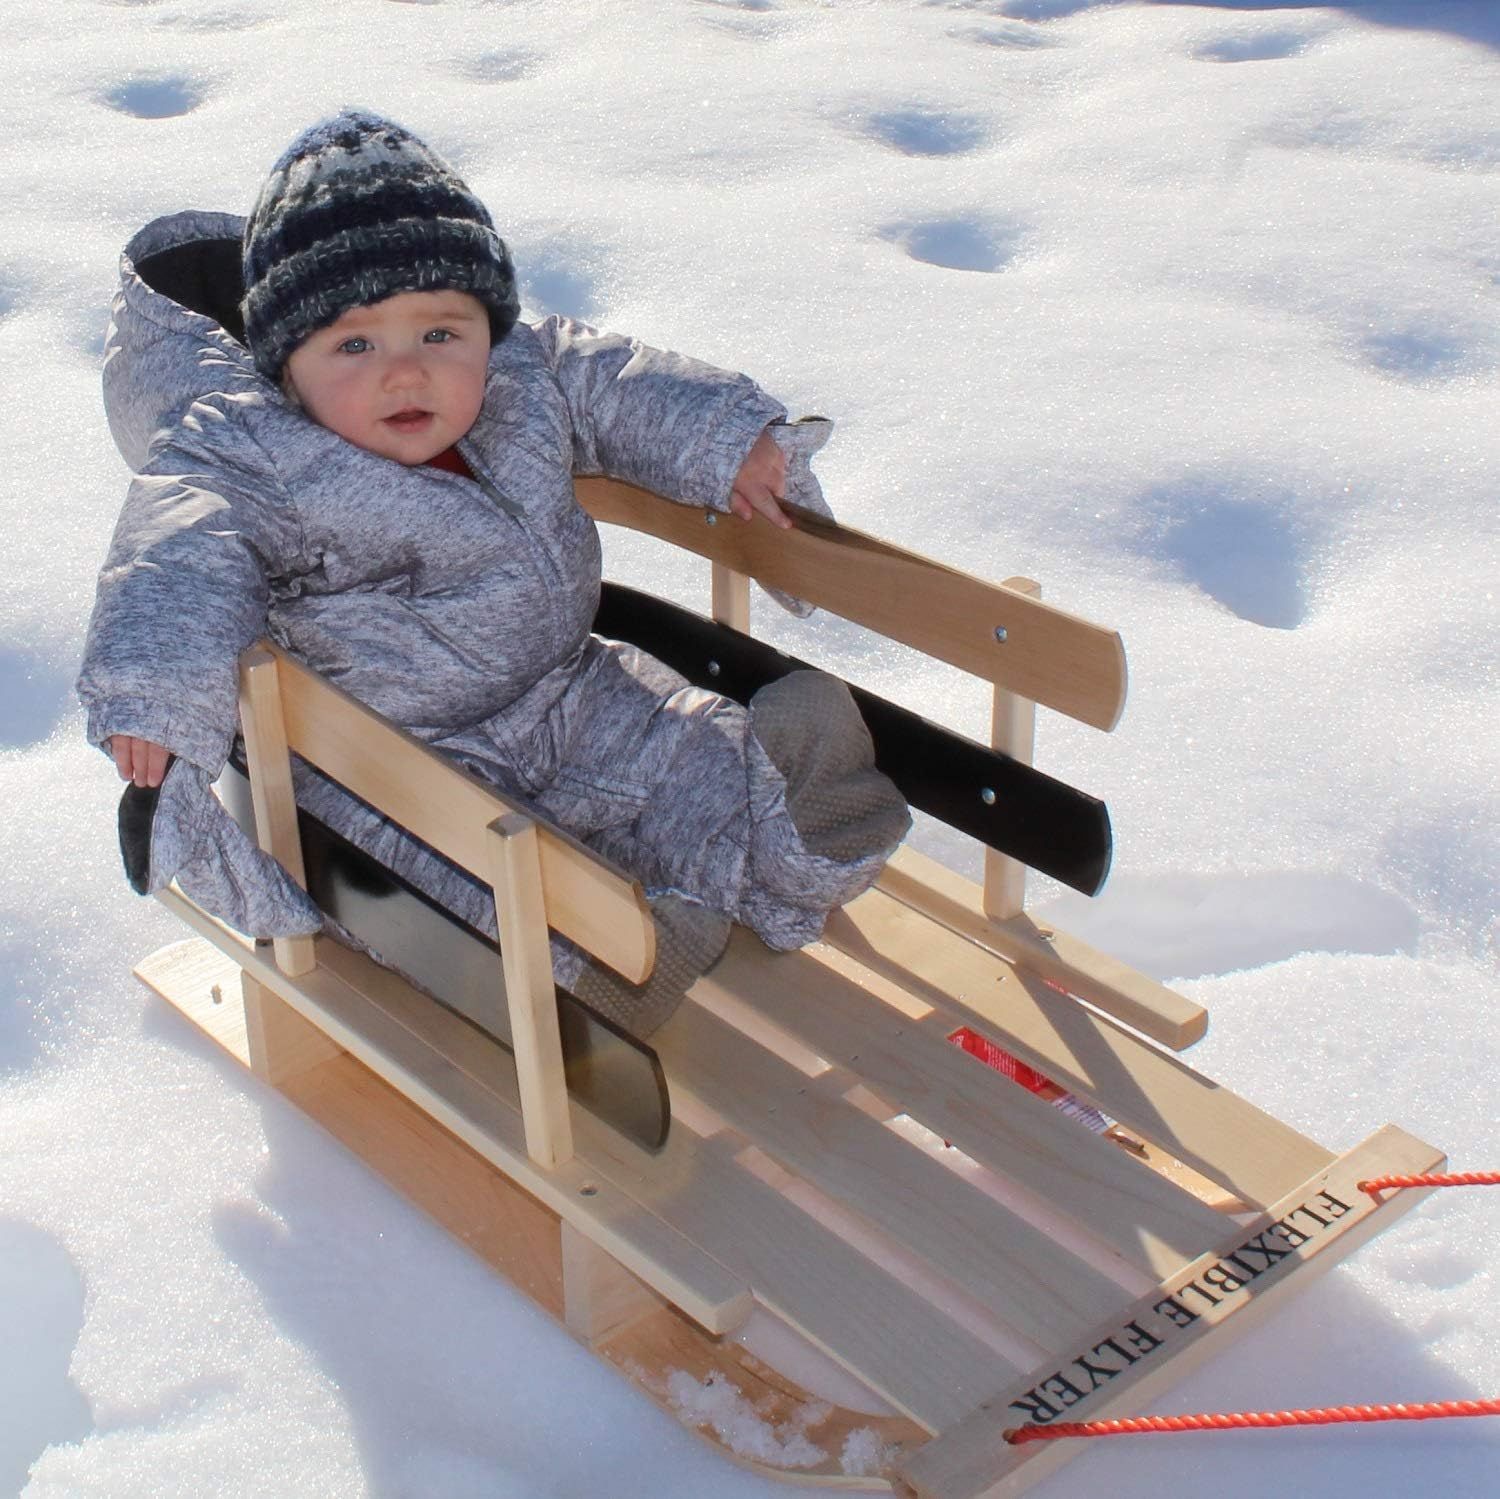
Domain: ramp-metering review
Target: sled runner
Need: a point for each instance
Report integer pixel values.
(853, 1255)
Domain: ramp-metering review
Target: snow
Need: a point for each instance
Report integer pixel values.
(1189, 310)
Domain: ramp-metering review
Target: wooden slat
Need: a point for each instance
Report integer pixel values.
(974, 1461)
(487, 1119)
(270, 765)
(862, 1316)
(1048, 655)
(1206, 1126)
(1115, 987)
(978, 1245)
(1150, 1223)
(586, 900)
(280, 1044)
(1013, 733)
(730, 594)
(530, 997)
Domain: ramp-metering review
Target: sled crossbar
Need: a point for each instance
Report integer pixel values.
(838, 1171)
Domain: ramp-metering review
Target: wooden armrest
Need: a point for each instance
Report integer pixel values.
(586, 899)
(1046, 654)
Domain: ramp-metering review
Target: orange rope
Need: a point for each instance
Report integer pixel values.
(1432, 1179)
(1333, 1415)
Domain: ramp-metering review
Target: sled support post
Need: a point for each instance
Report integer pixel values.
(529, 993)
(600, 1296)
(1013, 733)
(270, 760)
(731, 598)
(282, 1045)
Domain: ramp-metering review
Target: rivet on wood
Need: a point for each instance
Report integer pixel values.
(710, 518)
(588, 1189)
(1000, 634)
(987, 796)
(216, 994)
(713, 668)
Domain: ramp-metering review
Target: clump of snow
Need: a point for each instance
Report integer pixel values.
(724, 1410)
(864, 1453)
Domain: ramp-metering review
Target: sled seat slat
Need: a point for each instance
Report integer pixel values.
(822, 1001)
(860, 1314)
(587, 899)
(1047, 655)
(1207, 1127)
(969, 1240)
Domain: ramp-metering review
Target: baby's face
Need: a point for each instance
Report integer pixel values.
(403, 378)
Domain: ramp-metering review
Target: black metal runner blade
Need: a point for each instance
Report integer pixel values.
(1008, 805)
(612, 1074)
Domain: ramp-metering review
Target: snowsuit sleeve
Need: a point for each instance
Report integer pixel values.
(184, 587)
(183, 591)
(665, 422)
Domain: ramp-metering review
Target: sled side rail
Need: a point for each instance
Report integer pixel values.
(585, 899)
(998, 633)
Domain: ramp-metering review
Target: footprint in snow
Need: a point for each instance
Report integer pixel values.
(958, 244)
(1422, 358)
(1444, 1269)
(508, 65)
(1249, 550)
(213, 20)
(1261, 46)
(926, 132)
(1018, 37)
(557, 277)
(33, 699)
(161, 98)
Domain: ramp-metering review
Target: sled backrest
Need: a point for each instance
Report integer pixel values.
(1003, 634)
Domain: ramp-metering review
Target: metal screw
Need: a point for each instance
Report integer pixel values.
(588, 1189)
(713, 668)
(710, 518)
(216, 994)
(1000, 633)
(987, 796)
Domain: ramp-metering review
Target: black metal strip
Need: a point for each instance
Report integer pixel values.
(1010, 806)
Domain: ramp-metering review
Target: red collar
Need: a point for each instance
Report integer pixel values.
(452, 461)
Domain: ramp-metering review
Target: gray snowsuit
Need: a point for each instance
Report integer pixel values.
(459, 608)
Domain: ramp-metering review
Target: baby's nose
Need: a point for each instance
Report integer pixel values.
(405, 370)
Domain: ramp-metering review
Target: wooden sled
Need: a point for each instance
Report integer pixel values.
(846, 1201)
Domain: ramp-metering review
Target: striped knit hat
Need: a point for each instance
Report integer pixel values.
(356, 210)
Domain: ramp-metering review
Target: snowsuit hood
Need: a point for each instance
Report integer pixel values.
(175, 328)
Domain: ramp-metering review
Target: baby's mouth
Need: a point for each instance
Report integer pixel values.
(408, 421)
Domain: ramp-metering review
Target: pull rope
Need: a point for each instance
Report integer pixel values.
(1332, 1415)
(1378, 1184)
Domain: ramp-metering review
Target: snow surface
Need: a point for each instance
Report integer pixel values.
(1189, 310)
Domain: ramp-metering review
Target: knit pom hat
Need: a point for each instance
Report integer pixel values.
(356, 210)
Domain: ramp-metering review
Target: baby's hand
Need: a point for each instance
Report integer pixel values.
(138, 760)
(761, 483)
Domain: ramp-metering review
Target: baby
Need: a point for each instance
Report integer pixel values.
(375, 468)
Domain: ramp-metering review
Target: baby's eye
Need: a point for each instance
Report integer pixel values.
(439, 335)
(354, 346)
